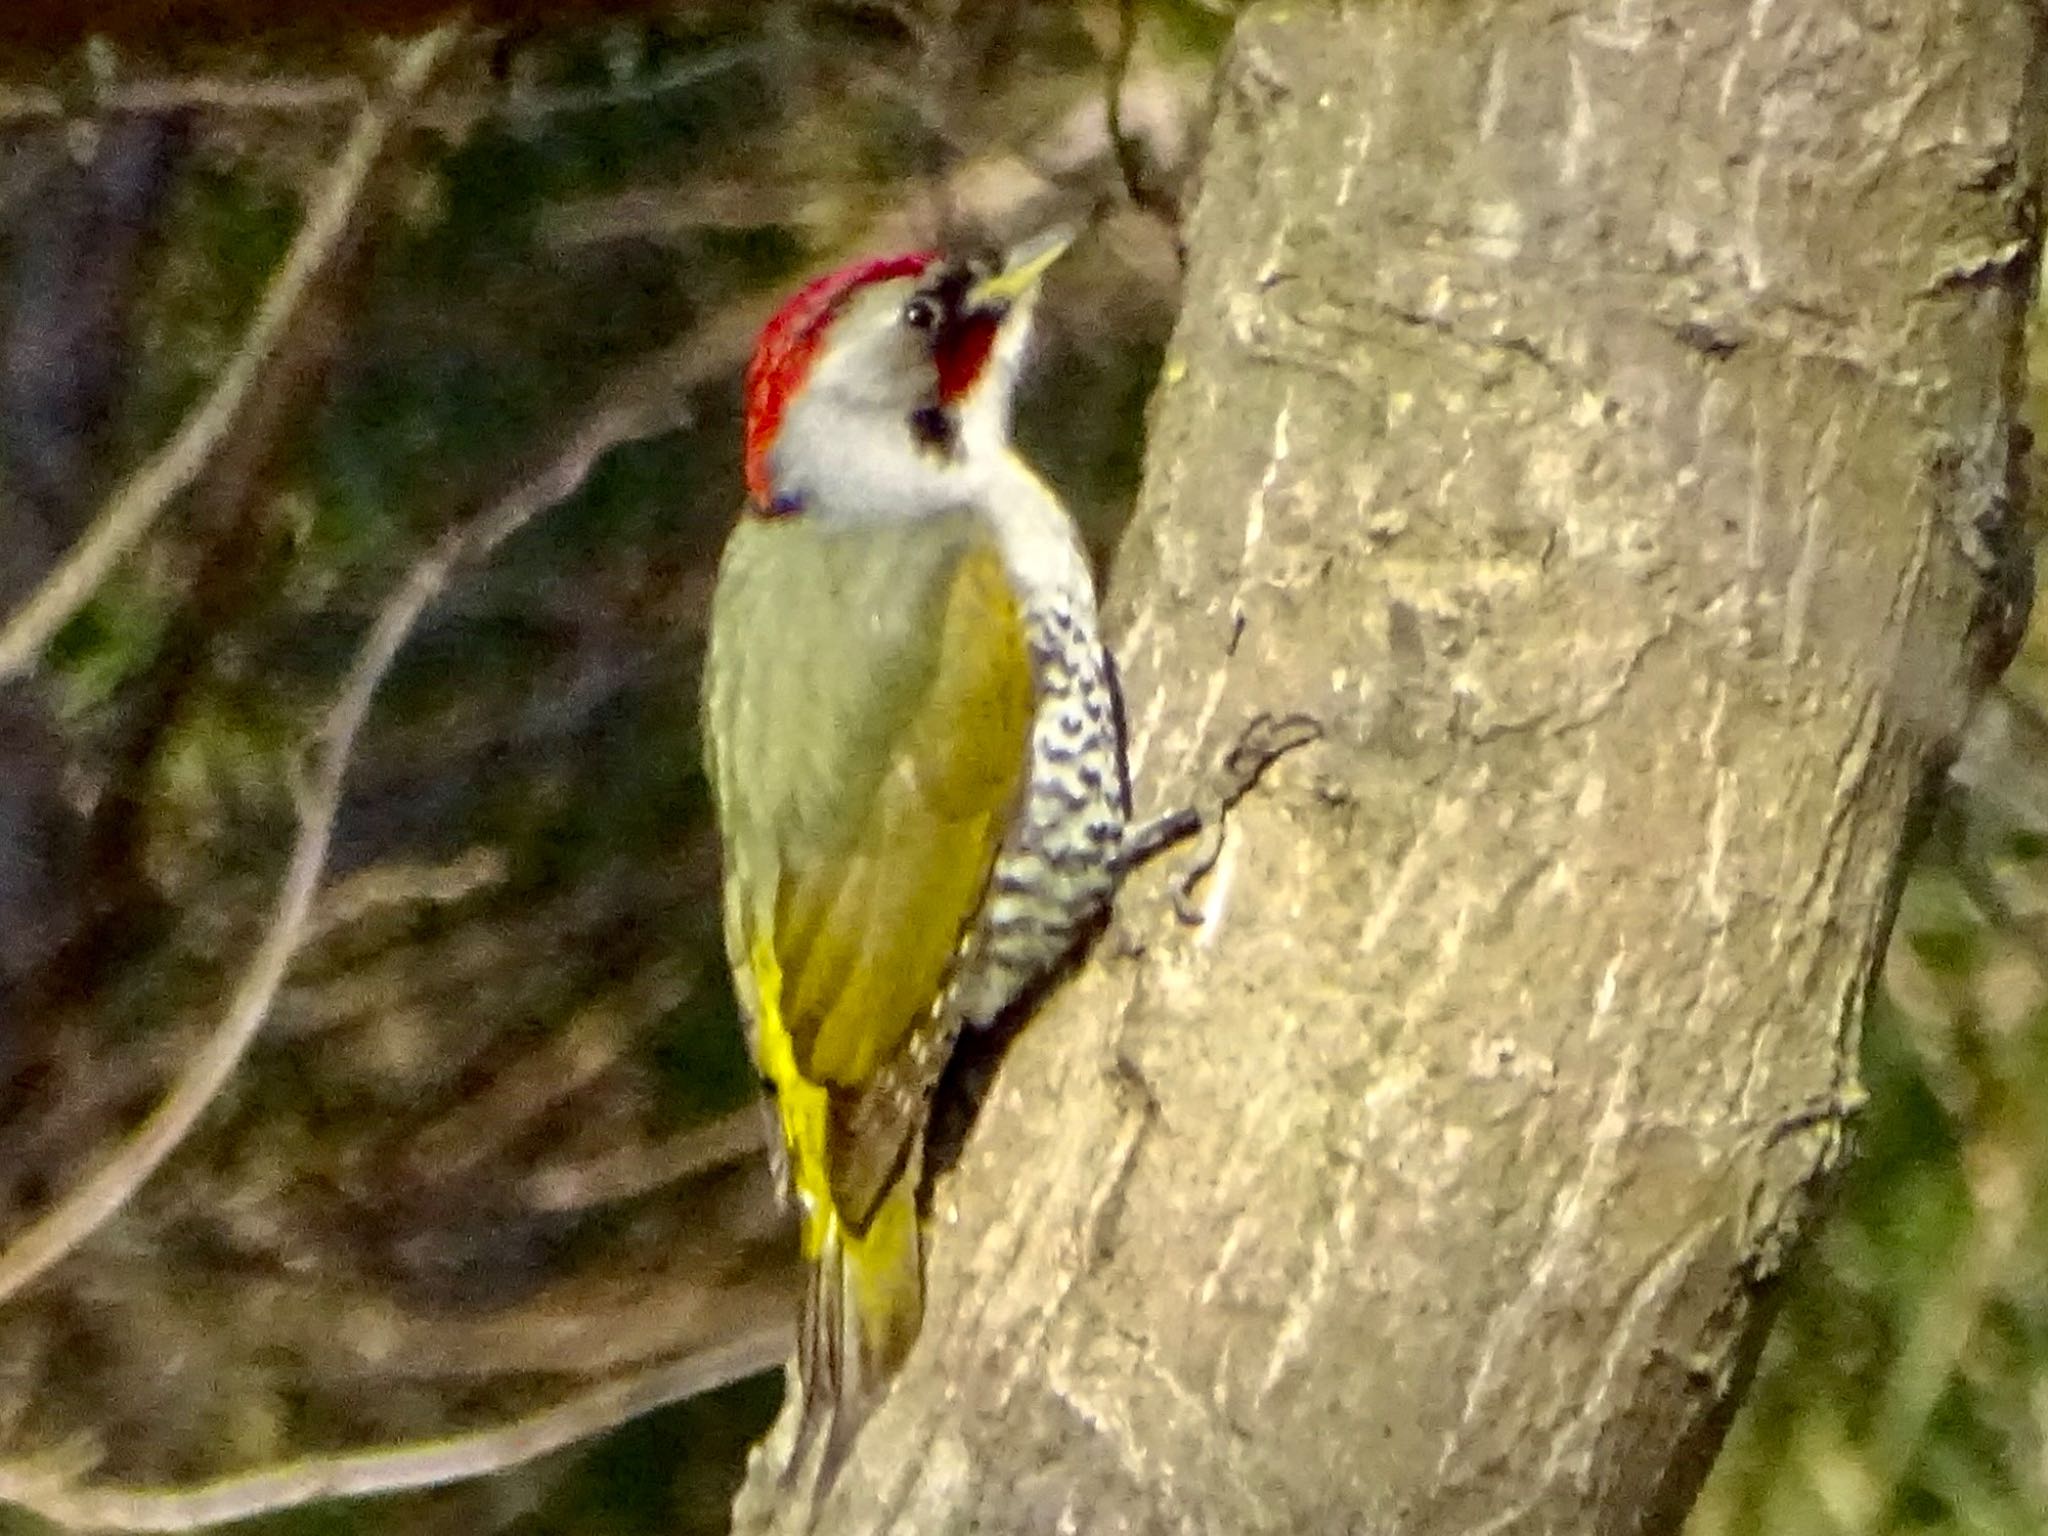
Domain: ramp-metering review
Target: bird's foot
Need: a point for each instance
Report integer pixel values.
(1265, 739)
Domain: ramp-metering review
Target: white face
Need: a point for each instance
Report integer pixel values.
(866, 437)
(878, 357)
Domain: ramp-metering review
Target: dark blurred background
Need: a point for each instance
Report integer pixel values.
(494, 1147)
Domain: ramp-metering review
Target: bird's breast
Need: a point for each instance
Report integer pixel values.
(1057, 870)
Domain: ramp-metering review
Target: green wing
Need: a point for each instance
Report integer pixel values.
(869, 702)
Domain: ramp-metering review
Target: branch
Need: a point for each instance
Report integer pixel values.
(571, 1332)
(55, 1495)
(142, 498)
(200, 93)
(384, 887)
(1070, 165)
(626, 1173)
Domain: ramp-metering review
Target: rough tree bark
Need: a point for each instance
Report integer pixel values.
(1599, 416)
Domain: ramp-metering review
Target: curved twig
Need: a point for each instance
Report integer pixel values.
(626, 1173)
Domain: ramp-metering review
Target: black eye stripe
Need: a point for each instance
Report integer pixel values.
(945, 290)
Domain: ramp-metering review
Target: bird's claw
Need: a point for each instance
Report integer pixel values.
(1265, 739)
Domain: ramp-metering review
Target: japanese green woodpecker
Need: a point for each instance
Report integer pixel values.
(916, 749)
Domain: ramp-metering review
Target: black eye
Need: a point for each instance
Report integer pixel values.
(920, 314)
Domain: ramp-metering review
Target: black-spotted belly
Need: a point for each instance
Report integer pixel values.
(1057, 870)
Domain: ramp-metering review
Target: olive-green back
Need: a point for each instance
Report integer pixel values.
(868, 706)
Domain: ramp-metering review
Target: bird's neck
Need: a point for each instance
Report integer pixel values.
(1041, 548)
(855, 467)
(848, 470)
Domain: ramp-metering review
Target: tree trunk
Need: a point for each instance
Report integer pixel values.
(1600, 417)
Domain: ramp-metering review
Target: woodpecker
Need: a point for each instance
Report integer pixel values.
(916, 752)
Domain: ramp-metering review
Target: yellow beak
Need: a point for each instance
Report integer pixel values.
(1023, 266)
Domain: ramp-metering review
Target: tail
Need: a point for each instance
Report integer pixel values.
(863, 1302)
(864, 1294)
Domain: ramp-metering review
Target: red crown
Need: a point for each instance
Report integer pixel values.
(789, 343)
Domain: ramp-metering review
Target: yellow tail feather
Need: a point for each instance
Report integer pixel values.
(864, 1295)
(863, 1303)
